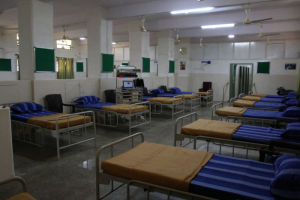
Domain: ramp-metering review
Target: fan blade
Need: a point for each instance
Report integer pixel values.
(260, 20)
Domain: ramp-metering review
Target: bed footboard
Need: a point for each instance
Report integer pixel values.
(101, 177)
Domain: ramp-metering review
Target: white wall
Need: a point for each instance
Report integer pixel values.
(222, 55)
(9, 49)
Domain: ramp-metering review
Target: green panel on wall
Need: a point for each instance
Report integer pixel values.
(79, 66)
(171, 66)
(125, 64)
(44, 60)
(263, 67)
(146, 65)
(5, 64)
(107, 62)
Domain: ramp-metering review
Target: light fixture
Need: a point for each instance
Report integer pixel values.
(218, 26)
(113, 43)
(64, 43)
(231, 36)
(191, 11)
(82, 38)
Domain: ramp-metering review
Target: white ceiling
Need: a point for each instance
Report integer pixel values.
(73, 14)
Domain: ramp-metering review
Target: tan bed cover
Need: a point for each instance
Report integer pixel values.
(243, 103)
(166, 100)
(259, 95)
(190, 96)
(205, 93)
(22, 196)
(251, 98)
(211, 128)
(49, 122)
(158, 164)
(231, 111)
(125, 108)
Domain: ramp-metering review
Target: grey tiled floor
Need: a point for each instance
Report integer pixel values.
(73, 176)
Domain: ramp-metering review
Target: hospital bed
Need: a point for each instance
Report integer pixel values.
(290, 94)
(207, 97)
(163, 105)
(192, 100)
(257, 104)
(254, 116)
(116, 115)
(30, 124)
(190, 173)
(189, 128)
(24, 195)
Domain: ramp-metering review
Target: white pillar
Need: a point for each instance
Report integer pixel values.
(99, 41)
(35, 19)
(165, 52)
(139, 46)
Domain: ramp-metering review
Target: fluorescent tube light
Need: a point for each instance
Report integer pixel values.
(82, 38)
(113, 43)
(217, 26)
(191, 11)
(231, 36)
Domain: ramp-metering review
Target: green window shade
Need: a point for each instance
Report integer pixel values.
(171, 66)
(146, 64)
(44, 60)
(263, 67)
(5, 64)
(79, 67)
(107, 62)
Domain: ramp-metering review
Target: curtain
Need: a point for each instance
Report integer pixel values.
(65, 68)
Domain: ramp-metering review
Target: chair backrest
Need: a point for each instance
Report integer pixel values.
(163, 87)
(54, 103)
(207, 86)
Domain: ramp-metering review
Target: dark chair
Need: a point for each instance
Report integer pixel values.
(55, 104)
(110, 96)
(146, 92)
(164, 88)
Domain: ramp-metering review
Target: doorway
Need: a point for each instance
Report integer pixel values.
(65, 68)
(241, 79)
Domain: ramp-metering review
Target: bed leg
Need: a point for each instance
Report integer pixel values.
(57, 146)
(128, 192)
(195, 142)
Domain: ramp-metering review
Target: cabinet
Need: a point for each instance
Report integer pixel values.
(124, 96)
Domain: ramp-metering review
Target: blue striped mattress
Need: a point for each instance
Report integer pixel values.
(268, 114)
(273, 100)
(275, 96)
(269, 105)
(23, 117)
(167, 95)
(258, 134)
(225, 177)
(98, 105)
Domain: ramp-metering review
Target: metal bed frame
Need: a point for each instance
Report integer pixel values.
(194, 103)
(254, 108)
(245, 120)
(174, 105)
(273, 148)
(208, 97)
(103, 178)
(58, 133)
(15, 179)
(112, 119)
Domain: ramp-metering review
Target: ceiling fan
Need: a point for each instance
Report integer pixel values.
(249, 21)
(177, 38)
(201, 43)
(143, 27)
(261, 34)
